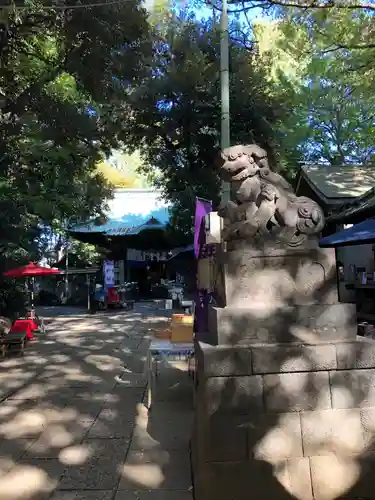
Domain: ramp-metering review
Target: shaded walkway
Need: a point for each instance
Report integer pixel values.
(72, 421)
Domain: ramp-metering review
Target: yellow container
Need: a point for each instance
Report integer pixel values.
(182, 319)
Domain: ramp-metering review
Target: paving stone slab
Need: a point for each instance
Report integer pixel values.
(53, 467)
(227, 438)
(83, 495)
(130, 343)
(58, 437)
(74, 382)
(125, 394)
(172, 433)
(14, 449)
(129, 380)
(113, 423)
(34, 479)
(153, 495)
(142, 440)
(84, 384)
(167, 411)
(85, 410)
(173, 392)
(41, 391)
(135, 364)
(21, 416)
(10, 388)
(99, 475)
(6, 464)
(101, 468)
(106, 449)
(167, 471)
(93, 395)
(25, 423)
(234, 480)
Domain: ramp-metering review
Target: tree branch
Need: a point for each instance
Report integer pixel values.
(244, 42)
(349, 47)
(240, 42)
(263, 5)
(299, 4)
(328, 4)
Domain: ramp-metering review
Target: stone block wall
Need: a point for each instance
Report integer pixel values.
(314, 323)
(285, 421)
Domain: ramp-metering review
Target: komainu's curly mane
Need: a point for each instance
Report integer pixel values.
(265, 202)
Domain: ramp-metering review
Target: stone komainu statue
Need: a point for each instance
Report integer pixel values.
(264, 202)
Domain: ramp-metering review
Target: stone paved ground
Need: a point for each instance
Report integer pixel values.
(72, 422)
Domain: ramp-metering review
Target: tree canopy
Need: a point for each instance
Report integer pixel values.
(175, 113)
(61, 73)
(77, 83)
(329, 88)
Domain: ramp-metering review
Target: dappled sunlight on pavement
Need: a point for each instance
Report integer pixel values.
(73, 425)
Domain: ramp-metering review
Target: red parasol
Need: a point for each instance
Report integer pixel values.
(31, 270)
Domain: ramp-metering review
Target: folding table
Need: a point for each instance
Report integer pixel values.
(163, 350)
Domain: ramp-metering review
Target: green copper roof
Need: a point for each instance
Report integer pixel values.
(119, 228)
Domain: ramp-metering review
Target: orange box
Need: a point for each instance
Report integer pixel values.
(182, 333)
(163, 333)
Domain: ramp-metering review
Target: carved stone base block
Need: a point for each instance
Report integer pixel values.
(285, 422)
(269, 276)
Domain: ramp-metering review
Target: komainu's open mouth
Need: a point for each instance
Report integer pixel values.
(242, 174)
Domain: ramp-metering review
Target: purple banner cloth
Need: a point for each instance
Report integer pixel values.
(202, 208)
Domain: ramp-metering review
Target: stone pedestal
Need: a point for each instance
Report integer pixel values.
(285, 404)
(273, 293)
